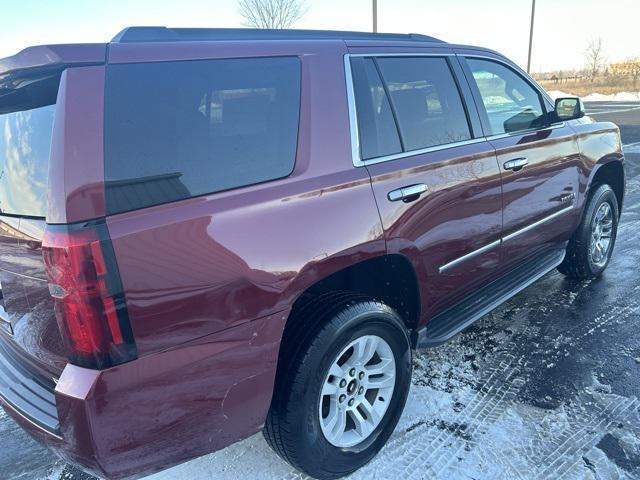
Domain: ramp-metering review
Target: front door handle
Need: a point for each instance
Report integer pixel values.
(408, 193)
(516, 164)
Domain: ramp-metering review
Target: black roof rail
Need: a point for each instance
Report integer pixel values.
(164, 34)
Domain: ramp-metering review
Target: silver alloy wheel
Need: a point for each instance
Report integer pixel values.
(357, 391)
(601, 232)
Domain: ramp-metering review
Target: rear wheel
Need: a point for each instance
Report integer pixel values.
(589, 250)
(340, 392)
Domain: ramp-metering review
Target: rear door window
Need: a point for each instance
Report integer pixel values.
(25, 142)
(511, 103)
(426, 101)
(175, 130)
(376, 126)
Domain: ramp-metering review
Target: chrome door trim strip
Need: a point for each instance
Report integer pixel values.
(497, 243)
(537, 224)
(469, 256)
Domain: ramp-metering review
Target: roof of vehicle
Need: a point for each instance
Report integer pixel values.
(164, 34)
(27, 74)
(50, 60)
(64, 55)
(54, 55)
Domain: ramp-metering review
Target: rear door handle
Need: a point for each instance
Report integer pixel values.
(408, 193)
(516, 164)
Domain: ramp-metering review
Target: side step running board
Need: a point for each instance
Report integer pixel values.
(455, 319)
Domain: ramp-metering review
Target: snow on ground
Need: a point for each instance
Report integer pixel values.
(632, 148)
(465, 417)
(599, 97)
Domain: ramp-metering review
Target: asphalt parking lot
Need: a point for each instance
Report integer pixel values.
(547, 386)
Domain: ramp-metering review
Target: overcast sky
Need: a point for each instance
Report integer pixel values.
(563, 27)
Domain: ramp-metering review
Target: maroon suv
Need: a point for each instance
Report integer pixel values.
(206, 233)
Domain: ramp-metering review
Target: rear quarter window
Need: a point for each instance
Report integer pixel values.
(175, 130)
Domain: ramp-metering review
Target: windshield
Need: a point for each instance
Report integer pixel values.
(25, 140)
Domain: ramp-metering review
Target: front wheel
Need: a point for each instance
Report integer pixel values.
(589, 250)
(340, 393)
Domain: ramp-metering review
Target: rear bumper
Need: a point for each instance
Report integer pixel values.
(141, 417)
(29, 394)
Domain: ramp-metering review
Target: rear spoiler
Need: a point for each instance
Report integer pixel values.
(30, 78)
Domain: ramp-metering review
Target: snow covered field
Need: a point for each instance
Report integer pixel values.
(599, 97)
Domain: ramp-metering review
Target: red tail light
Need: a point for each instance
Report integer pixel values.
(90, 305)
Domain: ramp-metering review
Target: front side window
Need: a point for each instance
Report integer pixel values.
(175, 130)
(426, 100)
(511, 103)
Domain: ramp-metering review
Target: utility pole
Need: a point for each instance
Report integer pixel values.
(533, 16)
(375, 16)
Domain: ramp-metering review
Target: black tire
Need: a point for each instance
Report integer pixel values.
(578, 263)
(322, 329)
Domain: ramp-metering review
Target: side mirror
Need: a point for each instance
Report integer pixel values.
(569, 108)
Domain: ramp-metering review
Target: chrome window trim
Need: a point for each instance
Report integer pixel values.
(356, 157)
(504, 239)
(353, 114)
(525, 132)
(411, 153)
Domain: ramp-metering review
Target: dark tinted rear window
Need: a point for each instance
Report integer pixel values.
(25, 142)
(376, 126)
(427, 103)
(175, 130)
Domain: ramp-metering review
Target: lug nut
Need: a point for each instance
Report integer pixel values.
(351, 402)
(342, 398)
(343, 383)
(360, 390)
(361, 376)
(352, 372)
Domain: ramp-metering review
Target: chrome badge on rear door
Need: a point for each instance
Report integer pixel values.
(5, 323)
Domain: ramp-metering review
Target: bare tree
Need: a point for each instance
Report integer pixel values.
(271, 13)
(594, 57)
(634, 70)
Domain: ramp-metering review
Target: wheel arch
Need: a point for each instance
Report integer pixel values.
(389, 278)
(609, 171)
